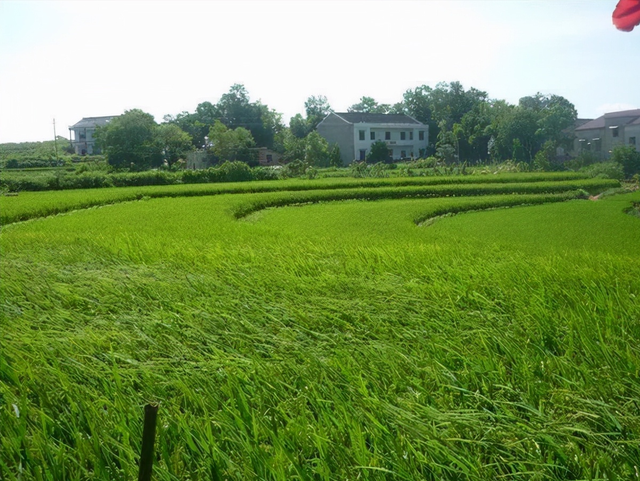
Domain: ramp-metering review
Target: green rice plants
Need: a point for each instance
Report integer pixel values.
(31, 205)
(324, 340)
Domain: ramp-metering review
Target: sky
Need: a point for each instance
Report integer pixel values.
(65, 60)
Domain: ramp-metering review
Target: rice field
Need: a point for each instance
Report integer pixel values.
(323, 331)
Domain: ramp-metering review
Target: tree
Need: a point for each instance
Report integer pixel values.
(446, 146)
(173, 141)
(316, 151)
(368, 105)
(316, 108)
(190, 124)
(129, 141)
(516, 123)
(235, 110)
(335, 158)
(379, 152)
(293, 147)
(299, 126)
(231, 144)
(628, 157)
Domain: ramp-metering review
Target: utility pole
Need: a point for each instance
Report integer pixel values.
(55, 142)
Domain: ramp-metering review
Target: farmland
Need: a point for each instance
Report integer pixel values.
(328, 329)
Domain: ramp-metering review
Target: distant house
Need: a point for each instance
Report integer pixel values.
(82, 134)
(268, 157)
(197, 159)
(601, 135)
(354, 132)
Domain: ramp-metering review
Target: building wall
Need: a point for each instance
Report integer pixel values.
(83, 141)
(586, 141)
(391, 134)
(337, 131)
(632, 136)
(602, 141)
(352, 147)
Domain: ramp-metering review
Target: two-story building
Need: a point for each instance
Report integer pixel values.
(601, 135)
(82, 134)
(354, 132)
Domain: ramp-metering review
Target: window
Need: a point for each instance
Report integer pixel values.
(403, 136)
(373, 135)
(269, 158)
(421, 135)
(597, 145)
(614, 130)
(387, 136)
(362, 135)
(83, 134)
(411, 135)
(403, 154)
(363, 154)
(632, 141)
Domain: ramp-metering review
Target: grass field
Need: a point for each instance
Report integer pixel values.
(332, 338)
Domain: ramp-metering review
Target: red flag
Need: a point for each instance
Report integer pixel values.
(627, 15)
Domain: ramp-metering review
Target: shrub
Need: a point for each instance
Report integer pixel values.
(295, 168)
(379, 152)
(265, 173)
(604, 170)
(628, 158)
(235, 171)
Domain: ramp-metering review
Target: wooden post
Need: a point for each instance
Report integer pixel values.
(148, 440)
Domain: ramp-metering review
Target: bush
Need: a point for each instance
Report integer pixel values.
(235, 171)
(295, 168)
(583, 160)
(379, 152)
(265, 173)
(604, 170)
(628, 158)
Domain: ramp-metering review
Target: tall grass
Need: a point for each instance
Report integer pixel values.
(326, 341)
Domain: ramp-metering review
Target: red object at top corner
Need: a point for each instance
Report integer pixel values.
(626, 16)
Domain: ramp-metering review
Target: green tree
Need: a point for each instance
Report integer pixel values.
(316, 108)
(231, 144)
(293, 148)
(173, 141)
(379, 152)
(299, 126)
(368, 105)
(129, 141)
(335, 157)
(516, 123)
(446, 147)
(235, 110)
(316, 151)
(628, 157)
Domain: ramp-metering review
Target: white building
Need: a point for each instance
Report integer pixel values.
(82, 134)
(354, 132)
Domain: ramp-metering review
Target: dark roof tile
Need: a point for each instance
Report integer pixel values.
(360, 117)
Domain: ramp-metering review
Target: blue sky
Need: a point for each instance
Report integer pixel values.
(68, 60)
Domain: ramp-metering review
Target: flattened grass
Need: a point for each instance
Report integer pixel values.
(326, 341)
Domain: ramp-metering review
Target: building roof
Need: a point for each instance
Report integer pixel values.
(90, 122)
(600, 122)
(360, 117)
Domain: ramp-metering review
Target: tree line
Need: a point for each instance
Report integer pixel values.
(465, 125)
